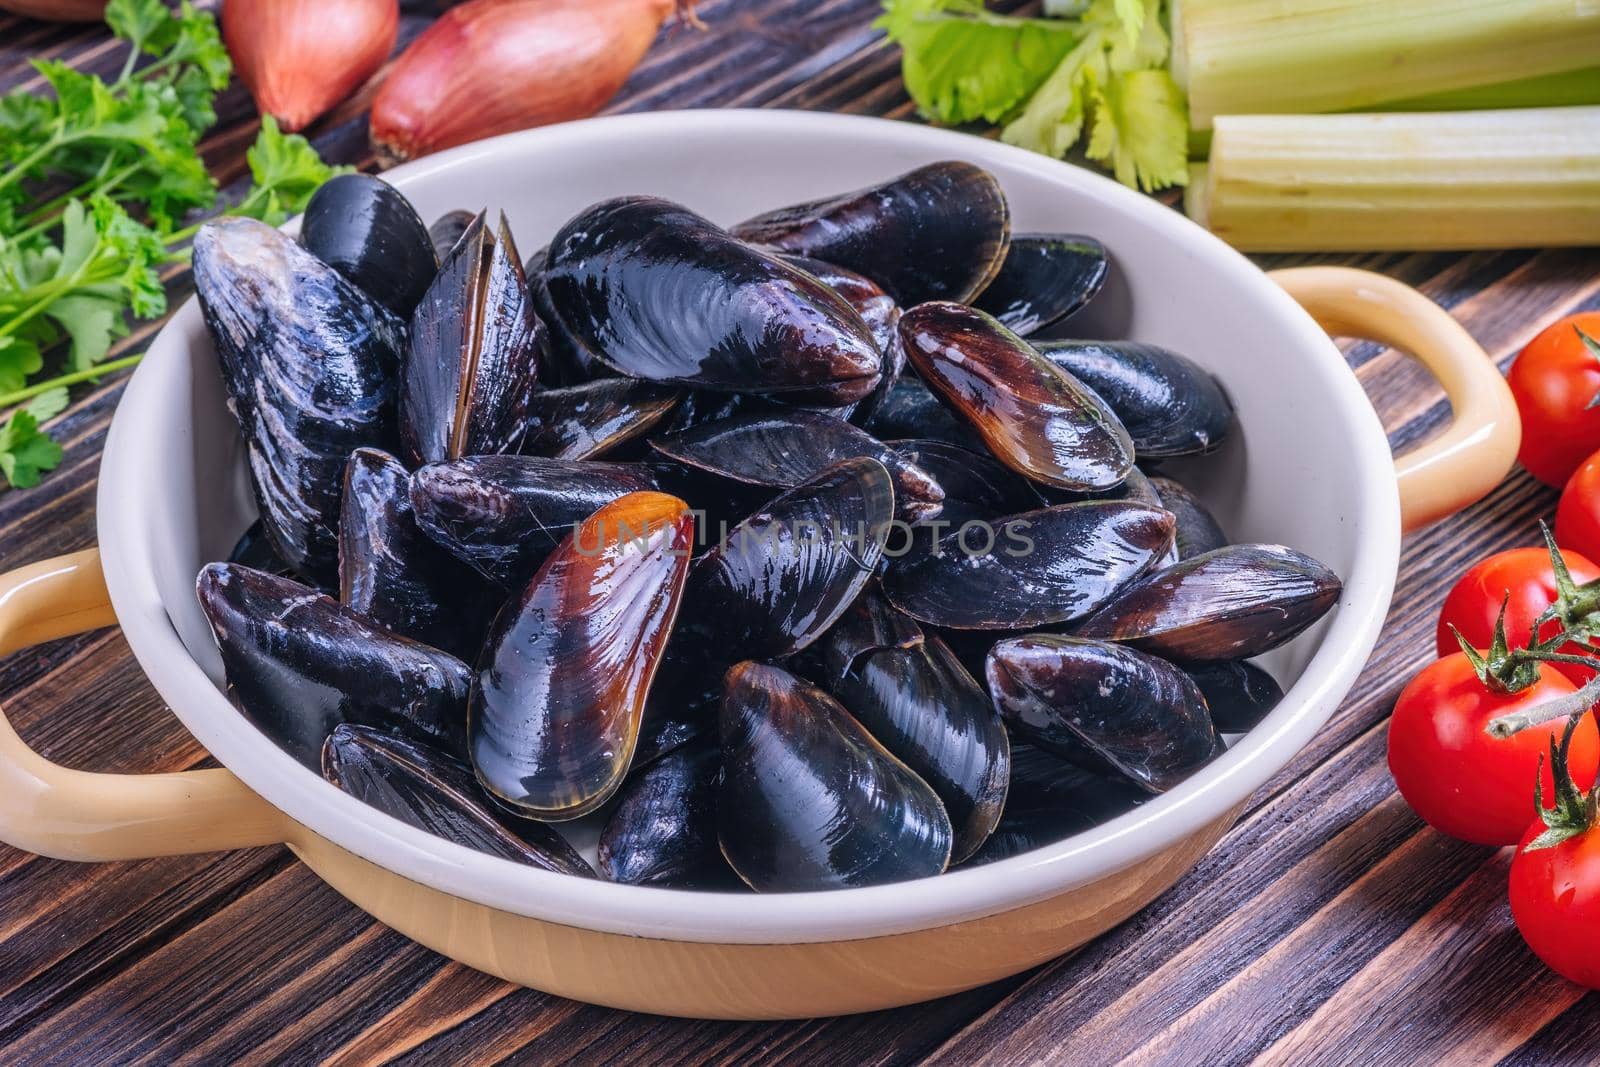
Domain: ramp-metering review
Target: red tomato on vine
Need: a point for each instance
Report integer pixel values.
(1555, 381)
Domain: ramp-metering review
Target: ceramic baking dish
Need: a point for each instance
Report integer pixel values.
(1309, 467)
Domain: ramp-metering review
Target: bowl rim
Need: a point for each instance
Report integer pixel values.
(125, 488)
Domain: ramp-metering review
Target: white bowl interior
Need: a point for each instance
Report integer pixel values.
(1308, 468)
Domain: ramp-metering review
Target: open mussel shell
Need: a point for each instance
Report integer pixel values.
(367, 230)
(473, 355)
(976, 485)
(446, 231)
(1239, 694)
(657, 292)
(663, 830)
(1036, 418)
(786, 574)
(1046, 566)
(786, 448)
(1050, 799)
(1169, 404)
(919, 702)
(809, 800)
(1234, 603)
(426, 787)
(298, 664)
(392, 573)
(561, 685)
(939, 232)
(1045, 278)
(586, 421)
(502, 515)
(1198, 531)
(1103, 703)
(309, 363)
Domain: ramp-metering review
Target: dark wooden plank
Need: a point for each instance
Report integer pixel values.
(1329, 924)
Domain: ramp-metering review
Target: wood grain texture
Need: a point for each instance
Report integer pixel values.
(1329, 925)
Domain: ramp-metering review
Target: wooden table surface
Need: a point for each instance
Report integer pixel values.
(1330, 925)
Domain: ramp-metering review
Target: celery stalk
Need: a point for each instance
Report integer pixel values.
(1246, 57)
(1567, 89)
(1373, 182)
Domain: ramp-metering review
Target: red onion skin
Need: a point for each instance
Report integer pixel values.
(301, 57)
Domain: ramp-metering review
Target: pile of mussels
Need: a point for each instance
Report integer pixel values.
(713, 531)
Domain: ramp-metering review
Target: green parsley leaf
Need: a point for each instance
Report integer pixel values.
(286, 171)
(48, 404)
(964, 63)
(26, 451)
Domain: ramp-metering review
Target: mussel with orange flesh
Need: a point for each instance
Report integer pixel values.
(309, 362)
(367, 230)
(561, 685)
(663, 830)
(473, 355)
(426, 787)
(1035, 417)
(298, 664)
(657, 292)
(939, 232)
(809, 800)
(587, 421)
(1045, 278)
(1233, 603)
(1105, 705)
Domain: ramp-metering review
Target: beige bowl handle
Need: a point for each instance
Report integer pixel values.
(1461, 465)
(77, 815)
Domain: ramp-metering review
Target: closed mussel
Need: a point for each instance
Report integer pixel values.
(1198, 531)
(298, 664)
(502, 515)
(910, 410)
(309, 362)
(1035, 417)
(561, 685)
(1045, 278)
(785, 448)
(586, 421)
(809, 800)
(663, 830)
(365, 229)
(939, 232)
(657, 292)
(447, 229)
(1169, 404)
(473, 355)
(1046, 566)
(876, 307)
(1233, 603)
(1050, 799)
(428, 788)
(976, 485)
(1239, 694)
(919, 702)
(1104, 704)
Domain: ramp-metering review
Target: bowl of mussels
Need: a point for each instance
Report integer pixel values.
(751, 564)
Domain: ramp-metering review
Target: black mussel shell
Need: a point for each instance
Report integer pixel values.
(1046, 566)
(1239, 694)
(1045, 278)
(786, 574)
(663, 830)
(657, 292)
(677, 712)
(976, 485)
(565, 362)
(876, 307)
(586, 421)
(1036, 418)
(1198, 530)
(1234, 603)
(919, 702)
(254, 550)
(503, 515)
(426, 787)
(787, 448)
(309, 361)
(367, 230)
(1169, 405)
(446, 231)
(939, 232)
(393, 574)
(910, 410)
(1051, 799)
(561, 685)
(298, 664)
(474, 354)
(1133, 712)
(809, 800)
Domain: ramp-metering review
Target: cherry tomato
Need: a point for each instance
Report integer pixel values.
(1555, 900)
(1473, 603)
(1554, 380)
(1578, 515)
(1459, 779)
